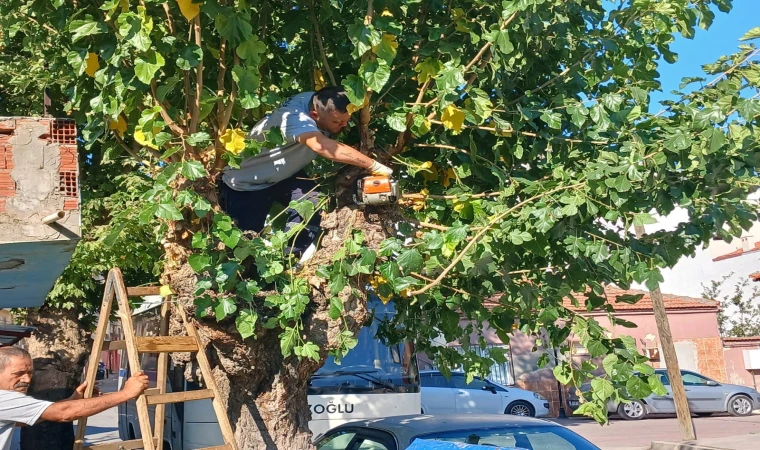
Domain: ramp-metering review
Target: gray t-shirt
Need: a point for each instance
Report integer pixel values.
(17, 407)
(278, 163)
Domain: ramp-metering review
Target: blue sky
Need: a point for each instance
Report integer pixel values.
(707, 46)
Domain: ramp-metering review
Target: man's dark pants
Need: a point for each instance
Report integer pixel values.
(250, 208)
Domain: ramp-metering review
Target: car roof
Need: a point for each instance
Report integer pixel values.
(405, 428)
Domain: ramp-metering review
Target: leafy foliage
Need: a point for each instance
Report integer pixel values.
(520, 129)
(739, 314)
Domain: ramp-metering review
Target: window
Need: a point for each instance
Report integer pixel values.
(664, 378)
(460, 382)
(357, 440)
(524, 437)
(433, 380)
(339, 441)
(692, 379)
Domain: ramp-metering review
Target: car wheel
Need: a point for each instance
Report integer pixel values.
(635, 410)
(520, 408)
(740, 405)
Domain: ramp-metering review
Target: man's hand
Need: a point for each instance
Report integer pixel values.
(135, 385)
(378, 169)
(79, 392)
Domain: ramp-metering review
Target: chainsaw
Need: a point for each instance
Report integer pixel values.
(376, 190)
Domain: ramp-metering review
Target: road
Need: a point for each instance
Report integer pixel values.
(720, 430)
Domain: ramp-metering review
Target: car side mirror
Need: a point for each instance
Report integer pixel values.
(490, 388)
(712, 383)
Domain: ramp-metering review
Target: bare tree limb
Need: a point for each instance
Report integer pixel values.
(220, 77)
(168, 17)
(496, 219)
(322, 52)
(175, 129)
(194, 118)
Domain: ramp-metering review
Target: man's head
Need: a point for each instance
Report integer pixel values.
(329, 108)
(15, 369)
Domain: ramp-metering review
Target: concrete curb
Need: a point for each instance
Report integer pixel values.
(683, 446)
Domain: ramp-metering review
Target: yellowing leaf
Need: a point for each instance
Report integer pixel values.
(453, 118)
(448, 176)
(387, 47)
(459, 206)
(319, 80)
(92, 64)
(386, 13)
(233, 140)
(165, 291)
(457, 13)
(419, 202)
(430, 174)
(120, 125)
(189, 9)
(124, 5)
(427, 69)
(140, 138)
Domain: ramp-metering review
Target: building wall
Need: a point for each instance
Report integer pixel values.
(733, 354)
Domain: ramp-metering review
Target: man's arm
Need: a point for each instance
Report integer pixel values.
(334, 150)
(70, 410)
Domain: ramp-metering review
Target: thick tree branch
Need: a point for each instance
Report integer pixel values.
(194, 118)
(496, 219)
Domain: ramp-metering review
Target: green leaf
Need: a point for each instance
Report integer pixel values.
(375, 74)
(310, 350)
(189, 57)
(198, 262)
(199, 240)
(637, 388)
(427, 69)
(288, 339)
(304, 208)
(230, 238)
(653, 280)
(336, 308)
(193, 170)
(147, 66)
(410, 260)
(501, 39)
(136, 29)
(224, 308)
(609, 363)
(396, 121)
(553, 120)
(88, 27)
(751, 34)
(596, 349)
(643, 219)
(355, 89)
(78, 60)
(168, 211)
(602, 389)
(235, 27)
(450, 78)
(677, 141)
(245, 322)
(251, 50)
(612, 101)
(363, 38)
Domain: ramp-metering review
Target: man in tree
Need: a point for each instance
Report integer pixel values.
(307, 121)
(17, 407)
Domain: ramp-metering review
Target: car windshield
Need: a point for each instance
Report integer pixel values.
(371, 366)
(523, 438)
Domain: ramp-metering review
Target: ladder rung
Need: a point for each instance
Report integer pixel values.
(114, 345)
(179, 397)
(156, 344)
(141, 291)
(121, 445)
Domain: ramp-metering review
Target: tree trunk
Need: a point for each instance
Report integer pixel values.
(264, 392)
(59, 349)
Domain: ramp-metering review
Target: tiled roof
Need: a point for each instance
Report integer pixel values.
(738, 252)
(672, 302)
(742, 339)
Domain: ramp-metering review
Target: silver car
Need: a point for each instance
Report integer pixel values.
(705, 397)
(491, 430)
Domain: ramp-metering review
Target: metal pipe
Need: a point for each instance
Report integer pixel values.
(55, 217)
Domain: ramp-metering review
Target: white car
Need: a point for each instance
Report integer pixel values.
(455, 396)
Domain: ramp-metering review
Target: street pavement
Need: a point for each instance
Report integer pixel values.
(103, 427)
(721, 431)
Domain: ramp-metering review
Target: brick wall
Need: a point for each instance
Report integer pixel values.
(38, 177)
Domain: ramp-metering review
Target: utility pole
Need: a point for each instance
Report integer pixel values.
(685, 423)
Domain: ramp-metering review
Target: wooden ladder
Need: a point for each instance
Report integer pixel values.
(163, 344)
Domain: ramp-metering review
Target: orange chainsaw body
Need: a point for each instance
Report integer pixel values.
(376, 190)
